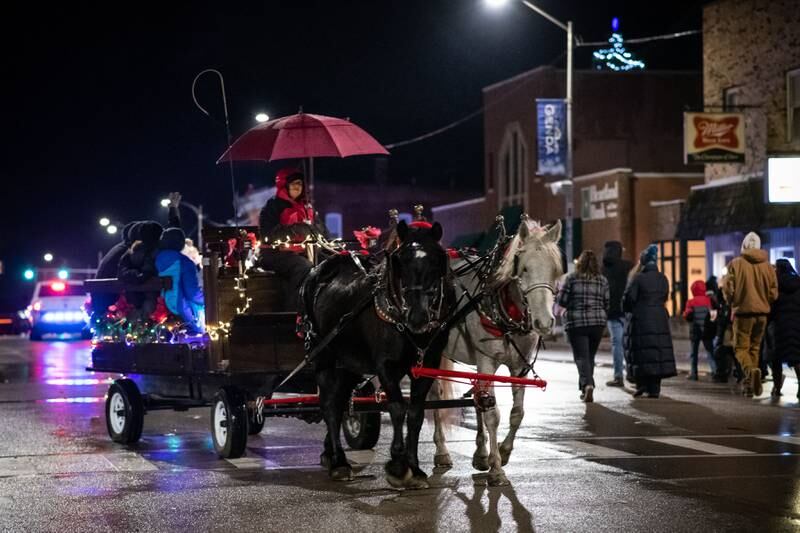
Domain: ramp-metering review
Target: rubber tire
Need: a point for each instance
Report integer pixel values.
(134, 411)
(253, 427)
(368, 434)
(35, 335)
(235, 404)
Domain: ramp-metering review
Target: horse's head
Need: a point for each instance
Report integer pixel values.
(419, 270)
(533, 257)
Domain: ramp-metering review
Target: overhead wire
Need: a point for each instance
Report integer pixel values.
(480, 110)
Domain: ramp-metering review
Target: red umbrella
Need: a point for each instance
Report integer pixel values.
(300, 136)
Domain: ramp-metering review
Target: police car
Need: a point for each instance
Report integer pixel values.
(58, 307)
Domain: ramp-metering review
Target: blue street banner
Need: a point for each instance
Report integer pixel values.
(551, 138)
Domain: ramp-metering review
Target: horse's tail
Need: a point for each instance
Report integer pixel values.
(444, 390)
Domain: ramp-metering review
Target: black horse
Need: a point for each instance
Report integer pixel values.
(393, 312)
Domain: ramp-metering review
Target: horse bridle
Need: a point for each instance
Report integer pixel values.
(542, 285)
(397, 297)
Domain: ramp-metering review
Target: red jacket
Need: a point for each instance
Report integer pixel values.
(282, 215)
(699, 299)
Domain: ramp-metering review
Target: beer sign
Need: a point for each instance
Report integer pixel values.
(713, 138)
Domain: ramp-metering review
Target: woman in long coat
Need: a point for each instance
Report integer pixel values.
(648, 340)
(785, 317)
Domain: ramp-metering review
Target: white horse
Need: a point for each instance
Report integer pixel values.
(534, 258)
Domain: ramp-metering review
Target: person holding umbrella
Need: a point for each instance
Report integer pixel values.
(285, 222)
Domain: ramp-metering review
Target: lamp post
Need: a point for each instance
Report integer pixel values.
(198, 211)
(227, 131)
(566, 187)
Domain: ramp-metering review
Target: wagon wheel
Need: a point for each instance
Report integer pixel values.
(124, 412)
(362, 430)
(254, 427)
(229, 422)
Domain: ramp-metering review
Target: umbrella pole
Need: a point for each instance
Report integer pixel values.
(311, 180)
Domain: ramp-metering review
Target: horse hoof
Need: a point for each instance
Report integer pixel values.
(342, 473)
(480, 462)
(442, 460)
(504, 457)
(325, 461)
(399, 483)
(498, 480)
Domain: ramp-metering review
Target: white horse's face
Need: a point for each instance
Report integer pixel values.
(538, 267)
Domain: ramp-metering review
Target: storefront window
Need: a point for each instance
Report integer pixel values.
(333, 221)
(513, 169)
(782, 252)
(682, 263)
(721, 260)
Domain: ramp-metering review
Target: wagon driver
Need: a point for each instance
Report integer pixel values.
(287, 215)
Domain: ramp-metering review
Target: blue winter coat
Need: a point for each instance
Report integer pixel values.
(185, 298)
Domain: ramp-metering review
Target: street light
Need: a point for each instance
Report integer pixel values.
(566, 185)
(111, 229)
(48, 257)
(105, 221)
(63, 273)
(197, 210)
(227, 130)
(262, 117)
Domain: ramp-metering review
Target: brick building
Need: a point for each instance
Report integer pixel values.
(628, 155)
(751, 65)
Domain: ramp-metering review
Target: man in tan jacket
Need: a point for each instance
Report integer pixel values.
(750, 287)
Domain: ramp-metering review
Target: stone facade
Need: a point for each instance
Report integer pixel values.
(749, 46)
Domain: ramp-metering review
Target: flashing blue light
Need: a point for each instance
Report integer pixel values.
(28, 274)
(64, 317)
(63, 273)
(615, 24)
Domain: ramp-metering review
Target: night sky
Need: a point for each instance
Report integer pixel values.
(99, 118)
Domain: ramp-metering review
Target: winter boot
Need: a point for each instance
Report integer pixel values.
(693, 373)
(777, 385)
(747, 388)
(755, 381)
(797, 372)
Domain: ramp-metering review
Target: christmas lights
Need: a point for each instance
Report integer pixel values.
(615, 58)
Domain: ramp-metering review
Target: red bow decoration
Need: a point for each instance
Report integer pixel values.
(161, 313)
(366, 235)
(119, 309)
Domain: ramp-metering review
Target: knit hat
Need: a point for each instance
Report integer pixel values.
(149, 232)
(751, 242)
(172, 239)
(649, 255)
(126, 233)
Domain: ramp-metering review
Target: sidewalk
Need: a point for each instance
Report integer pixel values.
(560, 351)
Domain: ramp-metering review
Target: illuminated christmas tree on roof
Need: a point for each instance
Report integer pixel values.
(615, 58)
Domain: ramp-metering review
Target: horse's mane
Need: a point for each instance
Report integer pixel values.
(537, 231)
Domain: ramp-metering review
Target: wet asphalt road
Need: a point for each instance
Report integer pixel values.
(701, 458)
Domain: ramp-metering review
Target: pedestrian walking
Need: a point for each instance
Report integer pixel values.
(785, 318)
(699, 312)
(751, 287)
(615, 270)
(648, 340)
(585, 299)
